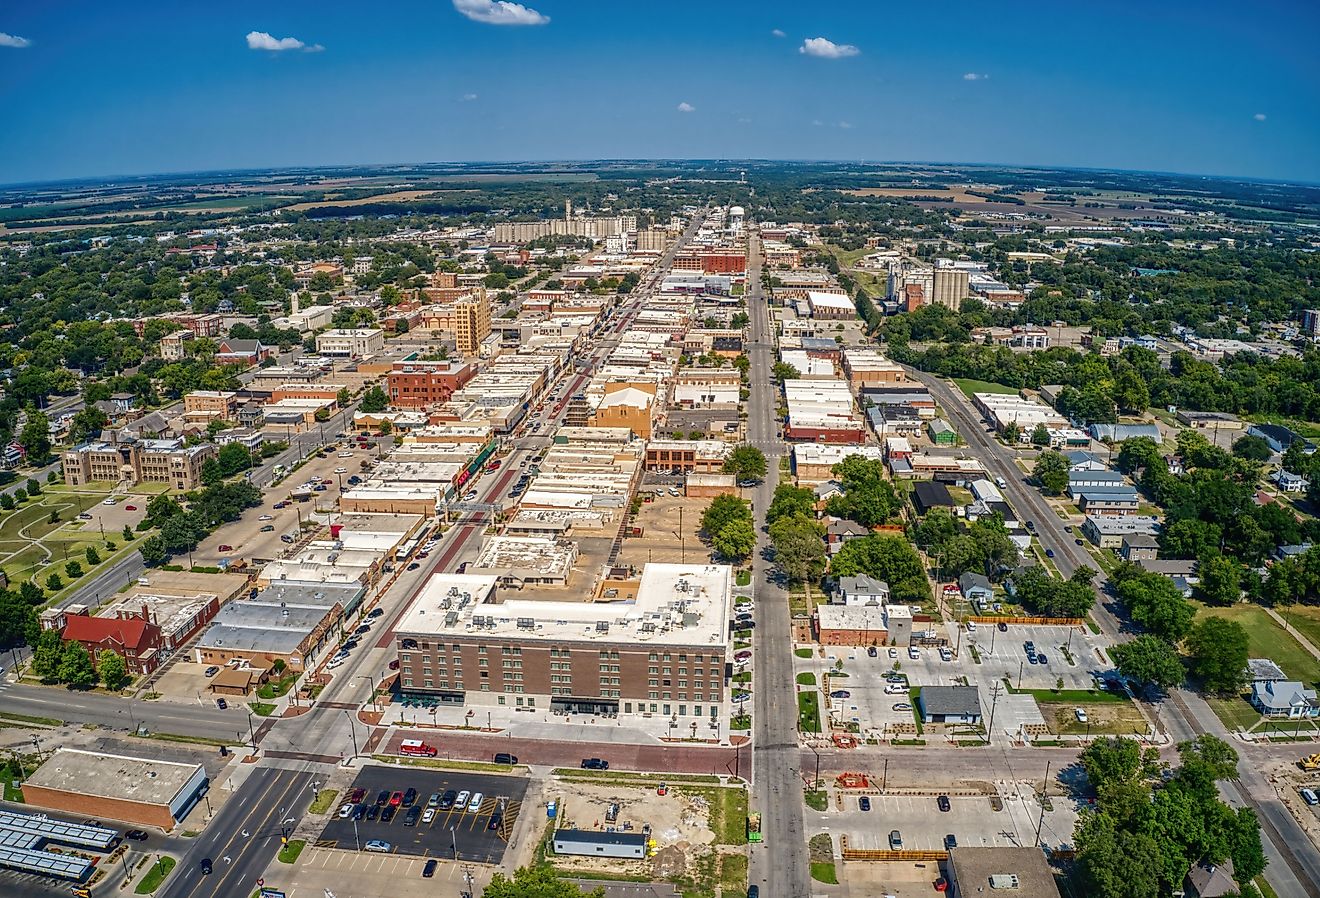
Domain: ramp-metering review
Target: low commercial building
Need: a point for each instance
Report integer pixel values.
(688, 456)
(1108, 531)
(950, 704)
(140, 791)
(592, 843)
(356, 342)
(422, 384)
(814, 464)
(289, 622)
(380, 497)
(708, 486)
(1010, 872)
(830, 306)
(520, 561)
(36, 843)
(207, 405)
(465, 642)
(867, 368)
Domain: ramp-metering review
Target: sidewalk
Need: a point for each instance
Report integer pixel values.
(1294, 632)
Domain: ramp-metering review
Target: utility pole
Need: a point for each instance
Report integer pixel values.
(995, 689)
(352, 731)
(1044, 797)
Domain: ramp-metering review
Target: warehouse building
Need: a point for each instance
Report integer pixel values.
(142, 791)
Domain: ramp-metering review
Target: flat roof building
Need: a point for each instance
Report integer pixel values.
(144, 791)
(1006, 872)
(463, 640)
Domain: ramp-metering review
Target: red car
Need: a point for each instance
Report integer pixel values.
(394, 665)
(396, 799)
(327, 482)
(130, 508)
(941, 884)
(224, 548)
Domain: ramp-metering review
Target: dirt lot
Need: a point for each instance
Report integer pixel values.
(686, 847)
(661, 540)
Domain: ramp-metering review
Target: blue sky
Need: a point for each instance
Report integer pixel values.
(1212, 87)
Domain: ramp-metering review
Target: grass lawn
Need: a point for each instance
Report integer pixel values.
(822, 859)
(806, 679)
(1105, 717)
(809, 712)
(823, 871)
(743, 578)
(289, 853)
(817, 801)
(804, 653)
(324, 801)
(155, 876)
(262, 709)
(1305, 619)
(1234, 712)
(733, 875)
(728, 811)
(1266, 639)
(970, 386)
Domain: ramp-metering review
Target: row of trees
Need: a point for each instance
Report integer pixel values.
(1150, 825)
(57, 661)
(181, 530)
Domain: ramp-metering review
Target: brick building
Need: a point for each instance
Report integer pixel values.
(421, 384)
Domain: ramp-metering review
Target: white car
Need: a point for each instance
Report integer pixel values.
(428, 815)
(266, 517)
(1080, 714)
(346, 809)
(345, 454)
(475, 804)
(462, 798)
(341, 470)
(109, 502)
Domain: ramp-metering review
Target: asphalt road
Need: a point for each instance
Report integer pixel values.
(1294, 861)
(125, 714)
(778, 864)
(243, 837)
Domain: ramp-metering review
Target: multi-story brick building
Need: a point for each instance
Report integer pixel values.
(120, 458)
(421, 384)
(658, 645)
(203, 405)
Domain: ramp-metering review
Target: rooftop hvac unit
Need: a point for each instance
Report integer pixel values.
(648, 627)
(451, 618)
(602, 626)
(526, 623)
(1004, 881)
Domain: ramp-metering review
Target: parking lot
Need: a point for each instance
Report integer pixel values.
(972, 820)
(246, 536)
(454, 829)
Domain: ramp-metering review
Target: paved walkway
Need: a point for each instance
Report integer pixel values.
(1296, 634)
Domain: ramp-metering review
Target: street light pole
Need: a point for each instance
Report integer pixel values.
(252, 732)
(352, 731)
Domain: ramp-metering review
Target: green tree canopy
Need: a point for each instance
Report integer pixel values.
(535, 882)
(1149, 659)
(888, 558)
(76, 668)
(1051, 472)
(746, 462)
(798, 542)
(1218, 650)
(112, 669)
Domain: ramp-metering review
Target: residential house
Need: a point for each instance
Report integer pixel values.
(861, 589)
(243, 352)
(976, 587)
(1284, 698)
(839, 531)
(1207, 880)
(928, 494)
(1139, 547)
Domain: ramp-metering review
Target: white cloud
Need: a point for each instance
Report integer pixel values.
(816, 123)
(826, 48)
(499, 12)
(975, 76)
(468, 98)
(686, 107)
(13, 40)
(778, 32)
(1259, 116)
(260, 40)
(744, 120)
(845, 125)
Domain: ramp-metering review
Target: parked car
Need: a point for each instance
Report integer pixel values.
(375, 613)
(225, 547)
(396, 799)
(475, 804)
(413, 566)
(266, 517)
(595, 764)
(1080, 714)
(379, 846)
(864, 803)
(461, 800)
(356, 795)
(373, 812)
(110, 501)
(950, 842)
(1309, 796)
(410, 818)
(895, 840)
(429, 870)
(383, 797)
(872, 652)
(387, 813)
(137, 835)
(211, 671)
(85, 516)
(346, 810)
(943, 803)
(902, 706)
(1002, 627)
(504, 757)
(447, 800)
(269, 528)
(130, 508)
(221, 704)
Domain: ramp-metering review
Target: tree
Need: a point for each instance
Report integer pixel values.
(1221, 579)
(888, 558)
(153, 551)
(343, 397)
(6, 502)
(1137, 453)
(20, 495)
(1189, 538)
(232, 458)
(746, 462)
(35, 436)
(112, 669)
(73, 569)
(721, 510)
(33, 488)
(735, 540)
(1040, 435)
(18, 619)
(76, 668)
(868, 497)
(1130, 392)
(31, 593)
(374, 400)
(1218, 650)
(86, 422)
(1116, 761)
(128, 534)
(790, 500)
(54, 583)
(1295, 460)
(1252, 448)
(211, 473)
(46, 655)
(782, 371)
(1148, 659)
(93, 557)
(799, 547)
(1154, 603)
(161, 508)
(535, 882)
(1114, 862)
(1051, 472)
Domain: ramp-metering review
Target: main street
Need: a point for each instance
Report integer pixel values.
(323, 734)
(1294, 861)
(778, 865)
